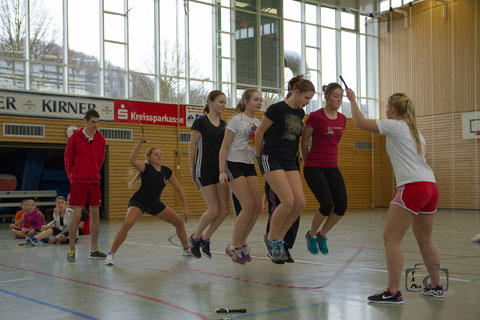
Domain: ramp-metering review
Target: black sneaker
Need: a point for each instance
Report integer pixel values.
(195, 247)
(97, 254)
(386, 297)
(205, 245)
(289, 257)
(436, 292)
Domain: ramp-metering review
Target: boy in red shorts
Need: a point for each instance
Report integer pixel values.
(84, 158)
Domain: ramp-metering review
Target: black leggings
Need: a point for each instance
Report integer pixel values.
(329, 188)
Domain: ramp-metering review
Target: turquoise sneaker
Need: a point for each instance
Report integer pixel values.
(322, 244)
(311, 243)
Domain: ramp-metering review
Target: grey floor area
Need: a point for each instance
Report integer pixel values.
(151, 280)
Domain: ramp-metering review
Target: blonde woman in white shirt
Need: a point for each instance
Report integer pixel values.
(237, 168)
(415, 200)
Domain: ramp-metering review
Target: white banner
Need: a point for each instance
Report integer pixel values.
(52, 106)
(193, 113)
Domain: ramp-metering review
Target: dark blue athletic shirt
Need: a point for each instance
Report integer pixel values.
(153, 182)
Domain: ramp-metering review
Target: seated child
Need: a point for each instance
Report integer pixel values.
(17, 226)
(57, 230)
(33, 221)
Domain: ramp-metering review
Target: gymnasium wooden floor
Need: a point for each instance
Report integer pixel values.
(150, 279)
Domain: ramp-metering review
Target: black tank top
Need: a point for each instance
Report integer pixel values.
(153, 182)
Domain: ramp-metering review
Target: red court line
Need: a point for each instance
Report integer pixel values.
(332, 278)
(111, 289)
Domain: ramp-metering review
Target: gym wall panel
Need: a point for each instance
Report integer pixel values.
(445, 82)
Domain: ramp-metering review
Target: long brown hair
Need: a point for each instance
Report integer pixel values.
(211, 97)
(247, 94)
(328, 89)
(404, 107)
(299, 83)
(134, 173)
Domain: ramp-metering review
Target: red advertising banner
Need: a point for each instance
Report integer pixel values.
(149, 113)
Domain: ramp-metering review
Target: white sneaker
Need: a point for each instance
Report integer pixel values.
(186, 252)
(476, 238)
(109, 259)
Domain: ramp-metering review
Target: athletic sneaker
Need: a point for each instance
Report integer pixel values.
(109, 259)
(436, 292)
(283, 253)
(269, 247)
(205, 245)
(322, 243)
(71, 256)
(476, 238)
(186, 252)
(235, 254)
(289, 257)
(97, 254)
(32, 240)
(246, 253)
(195, 247)
(386, 297)
(311, 243)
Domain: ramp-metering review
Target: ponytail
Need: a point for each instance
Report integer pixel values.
(404, 106)
(299, 83)
(134, 173)
(211, 97)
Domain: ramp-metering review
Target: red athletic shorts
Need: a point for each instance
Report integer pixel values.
(417, 197)
(81, 193)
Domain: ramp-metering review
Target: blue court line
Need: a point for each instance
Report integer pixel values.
(288, 309)
(81, 315)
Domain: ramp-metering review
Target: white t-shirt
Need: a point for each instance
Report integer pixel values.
(242, 148)
(407, 164)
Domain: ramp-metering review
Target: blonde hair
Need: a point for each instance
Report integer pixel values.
(404, 107)
(247, 94)
(134, 173)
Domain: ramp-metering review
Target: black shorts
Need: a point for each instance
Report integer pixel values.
(239, 169)
(152, 208)
(270, 163)
(207, 177)
(57, 231)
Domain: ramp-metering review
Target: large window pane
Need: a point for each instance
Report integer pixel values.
(293, 49)
(329, 56)
(348, 20)
(84, 38)
(141, 36)
(12, 38)
(312, 58)
(250, 5)
(246, 48)
(114, 6)
(328, 17)
(270, 6)
(201, 53)
(199, 91)
(46, 77)
(314, 104)
(114, 27)
(270, 97)
(225, 19)
(310, 13)
(224, 46)
(172, 90)
(142, 87)
(349, 59)
(114, 56)
(46, 30)
(84, 81)
(115, 84)
(224, 68)
(292, 9)
(172, 60)
(311, 35)
(270, 31)
(12, 74)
